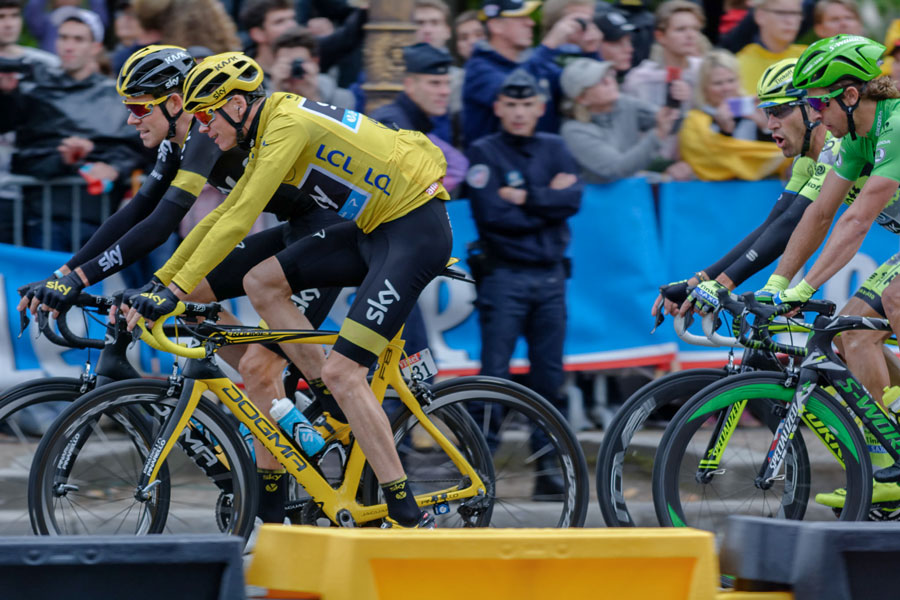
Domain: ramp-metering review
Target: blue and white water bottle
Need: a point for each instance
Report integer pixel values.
(294, 423)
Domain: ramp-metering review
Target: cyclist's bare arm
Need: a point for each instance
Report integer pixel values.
(852, 227)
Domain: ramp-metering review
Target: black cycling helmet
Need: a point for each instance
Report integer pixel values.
(158, 71)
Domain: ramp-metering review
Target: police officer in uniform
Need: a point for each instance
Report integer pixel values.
(522, 187)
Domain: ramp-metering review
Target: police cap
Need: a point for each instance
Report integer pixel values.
(520, 84)
(426, 59)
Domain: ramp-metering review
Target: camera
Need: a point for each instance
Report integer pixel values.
(14, 65)
(297, 69)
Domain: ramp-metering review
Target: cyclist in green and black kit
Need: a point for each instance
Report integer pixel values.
(855, 102)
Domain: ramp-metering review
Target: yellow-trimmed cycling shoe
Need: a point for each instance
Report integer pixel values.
(884, 494)
(426, 521)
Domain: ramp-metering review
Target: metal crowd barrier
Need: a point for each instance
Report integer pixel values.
(78, 190)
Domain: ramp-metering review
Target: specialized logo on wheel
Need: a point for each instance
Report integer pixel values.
(386, 297)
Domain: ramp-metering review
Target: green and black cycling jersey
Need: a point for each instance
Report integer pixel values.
(165, 197)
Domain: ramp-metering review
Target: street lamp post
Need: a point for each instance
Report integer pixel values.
(387, 31)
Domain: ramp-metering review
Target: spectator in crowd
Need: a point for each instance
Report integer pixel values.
(15, 60)
(523, 188)
(468, 30)
(126, 25)
(639, 15)
(426, 95)
(264, 21)
(672, 80)
(432, 21)
(510, 29)
(185, 23)
(11, 30)
(779, 23)
(616, 46)
(296, 70)
(69, 119)
(719, 138)
(833, 17)
(611, 135)
(890, 41)
(42, 19)
(734, 13)
(587, 42)
(894, 53)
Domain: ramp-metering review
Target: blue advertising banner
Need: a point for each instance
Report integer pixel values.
(621, 250)
(702, 221)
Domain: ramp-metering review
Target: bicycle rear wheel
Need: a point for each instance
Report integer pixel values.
(20, 432)
(626, 455)
(87, 468)
(685, 494)
(540, 474)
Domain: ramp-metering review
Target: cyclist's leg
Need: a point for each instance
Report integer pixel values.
(394, 263)
(863, 350)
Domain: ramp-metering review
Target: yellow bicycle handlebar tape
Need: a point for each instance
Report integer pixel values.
(163, 343)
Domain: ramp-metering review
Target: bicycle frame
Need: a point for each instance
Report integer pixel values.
(821, 366)
(340, 505)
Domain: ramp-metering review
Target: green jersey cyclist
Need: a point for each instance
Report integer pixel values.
(855, 102)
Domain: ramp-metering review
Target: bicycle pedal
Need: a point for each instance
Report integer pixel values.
(884, 511)
(889, 474)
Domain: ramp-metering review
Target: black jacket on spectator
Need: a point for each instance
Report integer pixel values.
(403, 113)
(49, 106)
(535, 233)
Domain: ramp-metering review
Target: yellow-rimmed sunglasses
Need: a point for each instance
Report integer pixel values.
(143, 109)
(208, 115)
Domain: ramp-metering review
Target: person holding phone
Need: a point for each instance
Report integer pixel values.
(718, 139)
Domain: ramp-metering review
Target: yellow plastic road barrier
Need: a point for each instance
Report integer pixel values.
(732, 595)
(496, 564)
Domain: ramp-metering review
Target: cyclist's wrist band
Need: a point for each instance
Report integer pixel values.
(701, 276)
(59, 274)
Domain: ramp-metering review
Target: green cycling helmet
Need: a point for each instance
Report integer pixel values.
(826, 61)
(775, 86)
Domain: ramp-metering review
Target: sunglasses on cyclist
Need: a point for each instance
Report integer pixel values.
(780, 111)
(209, 115)
(143, 109)
(818, 103)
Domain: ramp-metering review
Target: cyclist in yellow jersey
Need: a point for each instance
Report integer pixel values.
(385, 182)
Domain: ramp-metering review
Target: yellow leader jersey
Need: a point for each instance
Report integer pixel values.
(345, 161)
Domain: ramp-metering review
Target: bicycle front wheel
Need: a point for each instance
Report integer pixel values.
(625, 459)
(540, 474)
(88, 466)
(26, 411)
(689, 491)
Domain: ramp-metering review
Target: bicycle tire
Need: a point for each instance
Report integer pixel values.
(671, 471)
(186, 499)
(18, 443)
(516, 412)
(617, 458)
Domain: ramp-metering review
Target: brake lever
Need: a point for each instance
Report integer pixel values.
(660, 317)
(24, 321)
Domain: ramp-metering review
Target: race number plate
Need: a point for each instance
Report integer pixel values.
(419, 366)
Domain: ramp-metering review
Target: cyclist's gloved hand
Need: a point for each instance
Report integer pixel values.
(26, 292)
(126, 295)
(153, 304)
(705, 297)
(57, 294)
(774, 286)
(798, 294)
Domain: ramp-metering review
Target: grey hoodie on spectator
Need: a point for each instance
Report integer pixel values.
(616, 144)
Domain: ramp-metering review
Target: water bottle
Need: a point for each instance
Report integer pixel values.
(248, 439)
(295, 424)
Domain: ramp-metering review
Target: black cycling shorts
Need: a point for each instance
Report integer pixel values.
(227, 279)
(391, 265)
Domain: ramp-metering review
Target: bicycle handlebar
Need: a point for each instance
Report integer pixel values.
(156, 336)
(681, 325)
